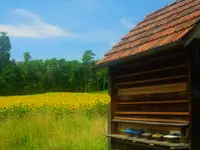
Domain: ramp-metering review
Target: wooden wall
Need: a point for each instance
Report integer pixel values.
(152, 89)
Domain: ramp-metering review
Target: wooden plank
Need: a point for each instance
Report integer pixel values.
(167, 123)
(159, 96)
(181, 107)
(178, 107)
(151, 71)
(155, 87)
(152, 80)
(151, 113)
(154, 102)
(165, 88)
(153, 120)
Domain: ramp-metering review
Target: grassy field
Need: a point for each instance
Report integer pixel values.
(54, 121)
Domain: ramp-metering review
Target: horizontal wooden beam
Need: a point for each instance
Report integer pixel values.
(154, 102)
(152, 120)
(151, 113)
(171, 95)
(164, 88)
(151, 71)
(152, 80)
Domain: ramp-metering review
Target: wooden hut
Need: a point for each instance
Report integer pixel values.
(154, 81)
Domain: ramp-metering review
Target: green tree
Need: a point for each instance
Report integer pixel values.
(51, 75)
(88, 62)
(88, 57)
(11, 79)
(102, 76)
(5, 48)
(27, 56)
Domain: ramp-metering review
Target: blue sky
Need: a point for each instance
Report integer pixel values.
(66, 28)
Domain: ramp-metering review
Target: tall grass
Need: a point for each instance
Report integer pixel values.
(47, 131)
(54, 121)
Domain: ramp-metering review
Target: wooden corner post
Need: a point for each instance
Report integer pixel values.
(112, 106)
(194, 94)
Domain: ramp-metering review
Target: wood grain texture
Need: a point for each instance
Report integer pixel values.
(151, 113)
(152, 80)
(154, 102)
(165, 88)
(151, 123)
(152, 71)
(153, 120)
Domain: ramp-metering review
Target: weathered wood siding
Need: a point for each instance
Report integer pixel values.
(153, 89)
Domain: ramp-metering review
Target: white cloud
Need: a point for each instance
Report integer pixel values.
(127, 22)
(29, 25)
(33, 27)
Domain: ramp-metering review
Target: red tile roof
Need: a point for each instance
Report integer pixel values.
(165, 26)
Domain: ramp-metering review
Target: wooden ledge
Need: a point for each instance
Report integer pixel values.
(150, 142)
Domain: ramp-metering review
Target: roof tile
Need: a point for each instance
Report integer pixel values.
(160, 28)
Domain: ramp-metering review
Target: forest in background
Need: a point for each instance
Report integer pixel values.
(50, 75)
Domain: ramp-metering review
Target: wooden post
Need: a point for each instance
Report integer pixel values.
(109, 106)
(112, 106)
(194, 94)
(109, 126)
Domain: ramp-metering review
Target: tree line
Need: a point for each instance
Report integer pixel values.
(51, 75)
